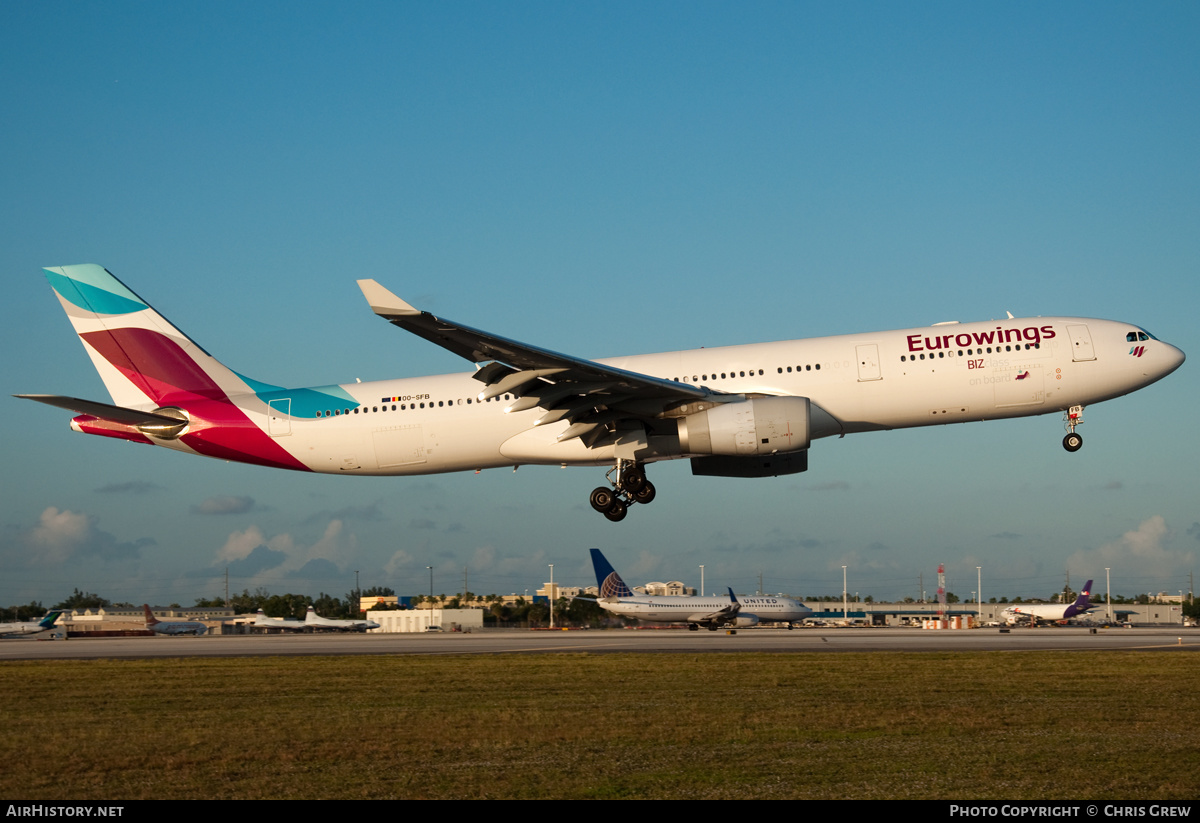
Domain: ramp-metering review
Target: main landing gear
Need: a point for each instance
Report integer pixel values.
(629, 486)
(1074, 416)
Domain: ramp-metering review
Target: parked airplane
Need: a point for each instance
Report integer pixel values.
(173, 626)
(1034, 613)
(315, 621)
(287, 623)
(28, 628)
(734, 411)
(710, 612)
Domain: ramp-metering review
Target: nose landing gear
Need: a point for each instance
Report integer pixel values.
(1073, 442)
(629, 486)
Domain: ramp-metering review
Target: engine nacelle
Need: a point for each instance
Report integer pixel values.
(743, 621)
(757, 426)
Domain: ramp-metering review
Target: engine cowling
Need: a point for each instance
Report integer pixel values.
(745, 621)
(756, 426)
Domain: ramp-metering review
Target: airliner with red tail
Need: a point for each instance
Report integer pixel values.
(734, 411)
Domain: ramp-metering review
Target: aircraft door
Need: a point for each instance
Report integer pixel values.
(279, 417)
(868, 362)
(1081, 343)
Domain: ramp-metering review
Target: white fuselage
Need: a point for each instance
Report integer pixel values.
(23, 629)
(1016, 614)
(679, 609)
(317, 622)
(948, 373)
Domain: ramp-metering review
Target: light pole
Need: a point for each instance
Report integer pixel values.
(979, 589)
(430, 594)
(1108, 591)
(845, 608)
(550, 592)
(702, 580)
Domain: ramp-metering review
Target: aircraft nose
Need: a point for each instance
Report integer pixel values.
(1173, 358)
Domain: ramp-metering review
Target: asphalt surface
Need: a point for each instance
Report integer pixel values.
(1163, 639)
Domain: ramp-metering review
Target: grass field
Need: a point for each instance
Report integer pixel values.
(1028, 725)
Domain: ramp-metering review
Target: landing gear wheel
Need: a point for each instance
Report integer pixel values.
(602, 499)
(617, 511)
(629, 486)
(645, 494)
(632, 480)
(1073, 442)
(692, 627)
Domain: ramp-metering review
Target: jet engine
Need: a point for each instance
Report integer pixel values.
(746, 428)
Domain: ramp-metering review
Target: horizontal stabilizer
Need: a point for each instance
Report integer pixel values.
(116, 414)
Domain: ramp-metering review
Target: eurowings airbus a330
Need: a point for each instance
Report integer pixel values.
(734, 411)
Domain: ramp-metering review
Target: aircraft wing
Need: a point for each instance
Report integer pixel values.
(722, 615)
(584, 392)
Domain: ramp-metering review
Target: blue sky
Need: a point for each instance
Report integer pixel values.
(600, 179)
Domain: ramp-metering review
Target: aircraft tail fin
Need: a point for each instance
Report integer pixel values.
(1085, 595)
(50, 619)
(151, 620)
(1084, 598)
(141, 357)
(607, 579)
(1082, 602)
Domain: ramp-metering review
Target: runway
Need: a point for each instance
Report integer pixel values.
(652, 641)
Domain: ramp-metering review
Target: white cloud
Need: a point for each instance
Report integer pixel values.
(59, 534)
(334, 544)
(63, 536)
(1140, 551)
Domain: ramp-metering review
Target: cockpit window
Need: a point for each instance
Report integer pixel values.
(1139, 335)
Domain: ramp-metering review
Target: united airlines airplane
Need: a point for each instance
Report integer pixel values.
(710, 612)
(173, 626)
(734, 411)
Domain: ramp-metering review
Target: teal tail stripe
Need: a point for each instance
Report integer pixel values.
(92, 288)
